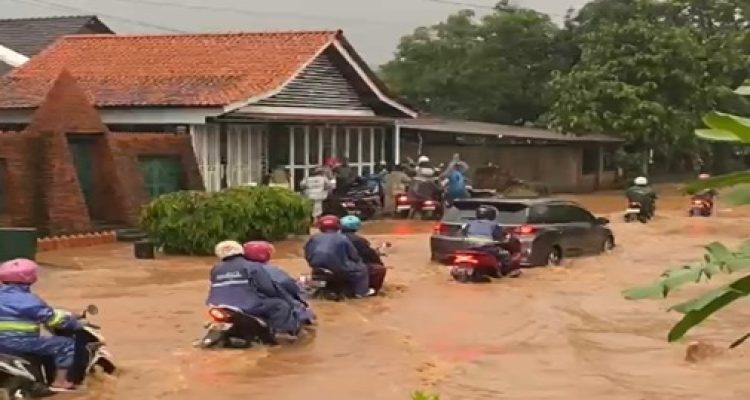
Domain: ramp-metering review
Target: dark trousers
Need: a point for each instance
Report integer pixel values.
(377, 276)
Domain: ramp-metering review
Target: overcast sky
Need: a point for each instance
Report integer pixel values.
(373, 26)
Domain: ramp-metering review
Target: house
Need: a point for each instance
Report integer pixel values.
(564, 163)
(23, 38)
(249, 101)
(67, 173)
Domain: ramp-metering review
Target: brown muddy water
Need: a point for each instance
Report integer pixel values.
(555, 333)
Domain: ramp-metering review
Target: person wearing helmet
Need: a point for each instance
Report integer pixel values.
(641, 192)
(349, 227)
(22, 313)
(316, 188)
(246, 285)
(261, 252)
(491, 238)
(330, 249)
(708, 194)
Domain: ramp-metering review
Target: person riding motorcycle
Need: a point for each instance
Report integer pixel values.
(246, 285)
(491, 238)
(644, 194)
(424, 185)
(261, 252)
(330, 249)
(22, 313)
(708, 194)
(349, 227)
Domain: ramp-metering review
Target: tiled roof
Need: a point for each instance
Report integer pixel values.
(167, 70)
(29, 36)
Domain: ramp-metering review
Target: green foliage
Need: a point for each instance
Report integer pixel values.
(649, 68)
(718, 259)
(192, 222)
(491, 69)
(418, 395)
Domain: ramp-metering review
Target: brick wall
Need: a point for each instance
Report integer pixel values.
(127, 147)
(42, 183)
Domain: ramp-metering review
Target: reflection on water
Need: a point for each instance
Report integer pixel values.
(558, 333)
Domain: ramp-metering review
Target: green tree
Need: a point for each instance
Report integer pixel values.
(726, 128)
(647, 69)
(491, 69)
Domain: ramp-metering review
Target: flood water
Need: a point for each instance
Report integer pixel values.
(555, 333)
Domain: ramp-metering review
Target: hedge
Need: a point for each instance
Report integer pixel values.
(192, 222)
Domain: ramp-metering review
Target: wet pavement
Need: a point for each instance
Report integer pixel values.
(555, 333)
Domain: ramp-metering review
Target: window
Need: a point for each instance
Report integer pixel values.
(507, 213)
(3, 185)
(578, 214)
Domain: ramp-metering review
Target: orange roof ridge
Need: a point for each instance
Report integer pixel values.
(203, 34)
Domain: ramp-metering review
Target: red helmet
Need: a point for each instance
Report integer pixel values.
(329, 223)
(258, 251)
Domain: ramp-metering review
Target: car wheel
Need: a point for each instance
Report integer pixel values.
(608, 245)
(555, 257)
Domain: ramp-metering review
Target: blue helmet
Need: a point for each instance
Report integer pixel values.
(351, 223)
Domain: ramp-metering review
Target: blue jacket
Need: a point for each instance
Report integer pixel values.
(456, 183)
(22, 313)
(334, 251)
(284, 281)
(240, 283)
(484, 230)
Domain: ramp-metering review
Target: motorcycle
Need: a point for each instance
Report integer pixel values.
(231, 328)
(29, 376)
(361, 199)
(701, 207)
(428, 209)
(481, 266)
(635, 212)
(326, 284)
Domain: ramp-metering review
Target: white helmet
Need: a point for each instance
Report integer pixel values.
(641, 181)
(423, 159)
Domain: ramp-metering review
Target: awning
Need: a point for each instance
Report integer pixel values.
(499, 131)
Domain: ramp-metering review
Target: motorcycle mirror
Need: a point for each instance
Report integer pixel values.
(92, 309)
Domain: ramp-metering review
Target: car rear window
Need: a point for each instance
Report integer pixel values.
(507, 213)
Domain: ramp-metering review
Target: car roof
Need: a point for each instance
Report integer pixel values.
(528, 201)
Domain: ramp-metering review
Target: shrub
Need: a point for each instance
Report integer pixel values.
(191, 222)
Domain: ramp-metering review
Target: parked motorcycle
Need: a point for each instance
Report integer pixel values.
(231, 328)
(362, 199)
(635, 212)
(29, 376)
(326, 284)
(701, 207)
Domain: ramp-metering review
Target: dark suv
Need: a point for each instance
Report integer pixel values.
(549, 229)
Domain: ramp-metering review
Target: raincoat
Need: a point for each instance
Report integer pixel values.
(290, 286)
(334, 251)
(486, 235)
(456, 187)
(395, 184)
(644, 195)
(375, 268)
(316, 188)
(246, 285)
(22, 315)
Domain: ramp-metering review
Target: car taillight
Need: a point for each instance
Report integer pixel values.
(524, 230)
(440, 229)
(430, 203)
(465, 259)
(219, 315)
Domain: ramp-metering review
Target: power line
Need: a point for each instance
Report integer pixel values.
(51, 4)
(462, 4)
(234, 10)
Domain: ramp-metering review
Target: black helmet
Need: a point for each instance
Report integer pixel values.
(486, 212)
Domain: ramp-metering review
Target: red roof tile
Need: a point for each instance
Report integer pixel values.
(167, 70)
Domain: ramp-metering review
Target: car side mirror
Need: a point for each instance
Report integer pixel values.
(602, 221)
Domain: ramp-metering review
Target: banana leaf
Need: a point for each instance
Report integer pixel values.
(717, 135)
(718, 259)
(718, 182)
(743, 91)
(738, 126)
(708, 304)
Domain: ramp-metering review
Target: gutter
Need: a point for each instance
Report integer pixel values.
(12, 58)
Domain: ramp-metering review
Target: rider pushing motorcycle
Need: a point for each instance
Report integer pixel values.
(22, 313)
